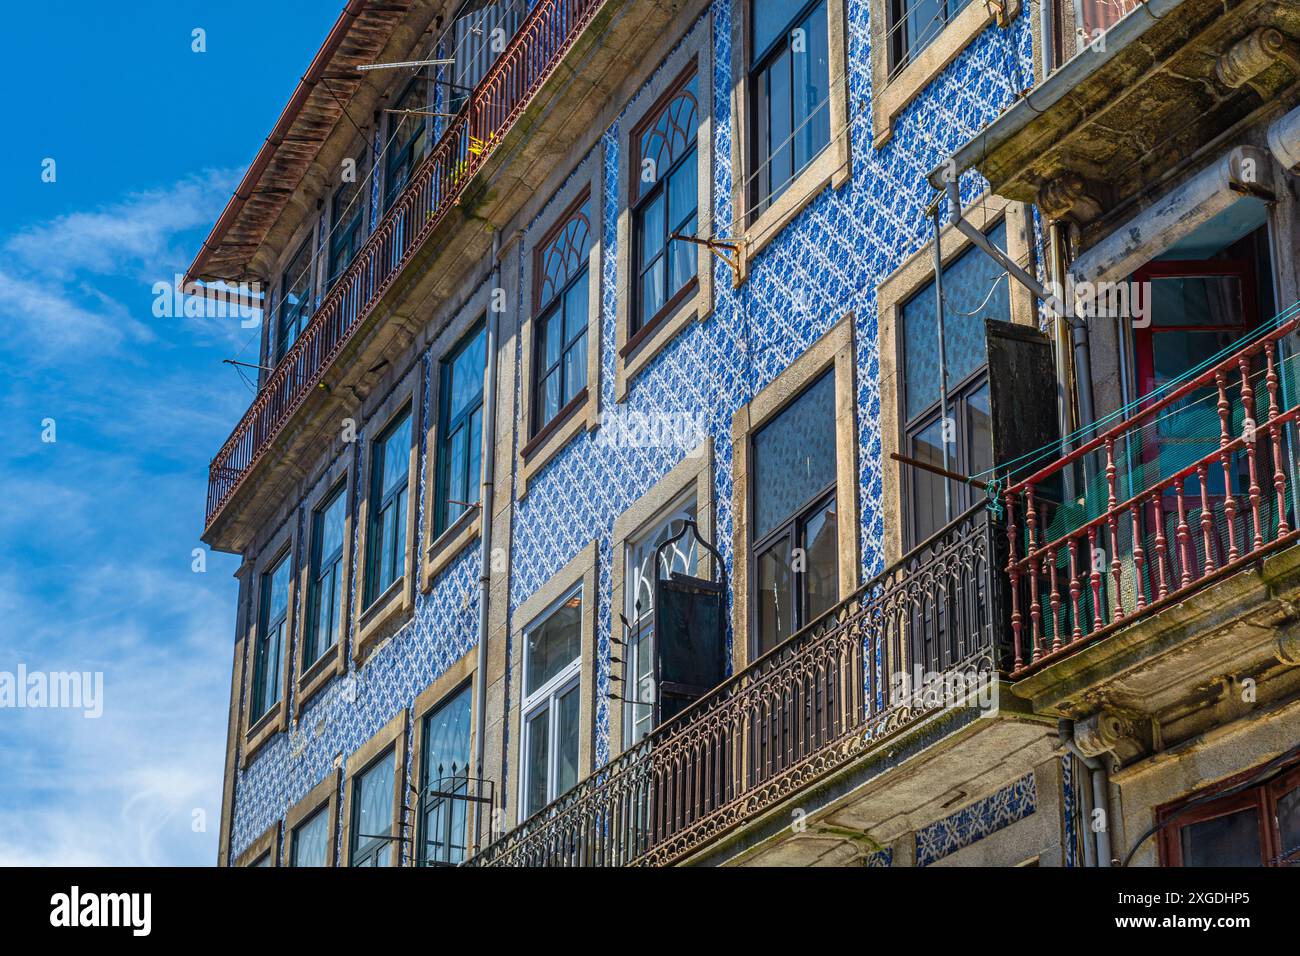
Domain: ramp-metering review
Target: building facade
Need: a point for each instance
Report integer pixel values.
(632, 481)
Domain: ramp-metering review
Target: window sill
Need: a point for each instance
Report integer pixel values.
(640, 350)
(328, 666)
(261, 731)
(382, 618)
(445, 548)
(575, 418)
(892, 96)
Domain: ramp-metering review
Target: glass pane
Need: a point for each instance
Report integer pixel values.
(576, 307)
(650, 230)
(446, 739)
(331, 527)
(374, 814)
(810, 95)
(775, 590)
(395, 455)
(575, 369)
(927, 487)
(1288, 822)
(682, 258)
(550, 398)
(457, 451)
(778, 150)
(979, 456)
(277, 591)
(311, 841)
(466, 371)
(475, 441)
(551, 331)
(974, 289)
(1230, 840)
(770, 19)
(794, 456)
(536, 759)
(554, 644)
(566, 755)
(821, 544)
(652, 291)
(925, 18)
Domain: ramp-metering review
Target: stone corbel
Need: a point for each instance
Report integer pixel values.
(1069, 196)
(1252, 55)
(1288, 643)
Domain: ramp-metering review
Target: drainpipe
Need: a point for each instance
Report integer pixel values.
(488, 459)
(1099, 851)
(943, 362)
(1082, 361)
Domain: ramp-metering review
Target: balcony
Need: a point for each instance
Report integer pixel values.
(1152, 567)
(1132, 92)
(893, 679)
(480, 162)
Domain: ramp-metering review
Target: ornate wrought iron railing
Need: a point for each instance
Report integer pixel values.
(453, 814)
(545, 36)
(835, 690)
(1192, 486)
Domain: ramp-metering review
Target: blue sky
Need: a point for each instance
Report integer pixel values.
(97, 527)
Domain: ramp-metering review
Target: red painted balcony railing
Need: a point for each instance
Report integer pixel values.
(544, 37)
(1193, 486)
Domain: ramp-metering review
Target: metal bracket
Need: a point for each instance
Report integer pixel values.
(725, 249)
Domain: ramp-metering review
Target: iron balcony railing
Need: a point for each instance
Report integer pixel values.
(544, 37)
(839, 687)
(454, 814)
(1194, 485)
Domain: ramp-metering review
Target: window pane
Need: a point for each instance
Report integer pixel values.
(374, 815)
(395, 455)
(457, 449)
(1288, 822)
(1230, 840)
(821, 543)
(575, 370)
(812, 123)
(978, 457)
(278, 591)
(550, 398)
(777, 150)
(331, 526)
(552, 330)
(566, 756)
(576, 307)
(1197, 300)
(925, 18)
(311, 841)
(466, 370)
(927, 487)
(536, 759)
(794, 456)
(770, 19)
(652, 233)
(973, 283)
(446, 739)
(652, 291)
(554, 644)
(775, 613)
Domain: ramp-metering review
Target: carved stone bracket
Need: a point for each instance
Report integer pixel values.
(1069, 196)
(1253, 54)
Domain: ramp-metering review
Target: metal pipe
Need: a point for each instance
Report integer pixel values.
(943, 362)
(487, 459)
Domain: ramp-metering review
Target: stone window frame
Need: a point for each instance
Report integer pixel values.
(392, 736)
(537, 451)
(631, 357)
(833, 351)
(257, 730)
(443, 687)
(267, 842)
(695, 471)
(579, 572)
(438, 552)
(311, 677)
(890, 97)
(386, 614)
(914, 274)
(324, 795)
(831, 167)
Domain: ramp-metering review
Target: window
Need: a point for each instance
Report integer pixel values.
(560, 334)
(372, 814)
(445, 788)
(639, 580)
(913, 24)
(790, 80)
(309, 843)
(346, 235)
(551, 705)
(270, 639)
(460, 429)
(328, 525)
(1256, 826)
(974, 289)
(407, 139)
(665, 196)
(795, 525)
(390, 468)
(294, 309)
